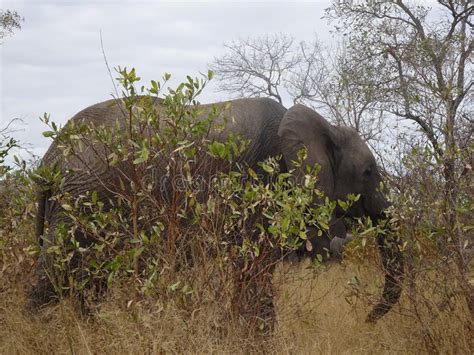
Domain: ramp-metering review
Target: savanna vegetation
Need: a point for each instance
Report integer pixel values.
(169, 271)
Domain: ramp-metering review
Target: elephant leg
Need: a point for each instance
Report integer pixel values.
(43, 291)
(252, 303)
(52, 276)
(393, 263)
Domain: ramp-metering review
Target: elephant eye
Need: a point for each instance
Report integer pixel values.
(367, 172)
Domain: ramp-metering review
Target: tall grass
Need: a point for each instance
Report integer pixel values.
(312, 311)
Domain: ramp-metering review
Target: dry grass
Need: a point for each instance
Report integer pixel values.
(314, 317)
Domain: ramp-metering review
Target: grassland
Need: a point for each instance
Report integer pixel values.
(318, 313)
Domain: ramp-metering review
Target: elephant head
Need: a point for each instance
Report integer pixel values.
(347, 167)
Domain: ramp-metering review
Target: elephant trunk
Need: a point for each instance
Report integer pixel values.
(375, 205)
(392, 261)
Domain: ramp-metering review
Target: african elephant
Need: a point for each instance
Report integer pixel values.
(347, 166)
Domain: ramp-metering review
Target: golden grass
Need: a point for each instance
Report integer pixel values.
(314, 317)
(328, 324)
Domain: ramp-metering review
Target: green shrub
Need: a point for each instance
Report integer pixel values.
(184, 219)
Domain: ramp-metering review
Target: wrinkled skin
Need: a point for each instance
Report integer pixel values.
(347, 166)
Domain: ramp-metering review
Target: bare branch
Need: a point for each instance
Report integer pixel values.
(9, 21)
(256, 66)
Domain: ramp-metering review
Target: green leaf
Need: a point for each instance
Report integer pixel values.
(49, 134)
(94, 197)
(343, 205)
(66, 207)
(323, 224)
(302, 154)
(273, 230)
(155, 87)
(252, 173)
(217, 149)
(268, 168)
(319, 257)
(144, 155)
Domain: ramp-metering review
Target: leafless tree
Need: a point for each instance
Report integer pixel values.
(306, 72)
(256, 66)
(9, 21)
(350, 98)
(305, 79)
(271, 64)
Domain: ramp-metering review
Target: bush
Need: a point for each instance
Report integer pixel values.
(173, 211)
(438, 280)
(17, 208)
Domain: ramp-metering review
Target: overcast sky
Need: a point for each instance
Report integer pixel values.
(55, 63)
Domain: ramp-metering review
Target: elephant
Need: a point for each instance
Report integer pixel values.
(347, 166)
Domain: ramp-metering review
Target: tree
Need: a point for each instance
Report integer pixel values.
(423, 57)
(275, 66)
(255, 67)
(9, 21)
(349, 99)
(422, 64)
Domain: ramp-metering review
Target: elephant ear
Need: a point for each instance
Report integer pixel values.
(303, 127)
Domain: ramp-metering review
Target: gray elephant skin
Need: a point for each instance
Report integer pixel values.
(347, 166)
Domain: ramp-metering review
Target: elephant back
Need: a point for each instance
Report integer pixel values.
(107, 113)
(255, 119)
